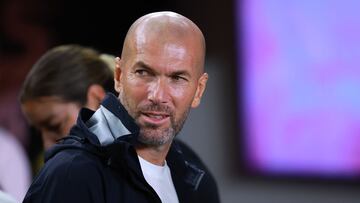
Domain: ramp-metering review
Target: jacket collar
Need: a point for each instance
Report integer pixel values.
(110, 122)
(117, 149)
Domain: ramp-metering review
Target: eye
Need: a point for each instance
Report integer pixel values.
(141, 72)
(54, 127)
(178, 78)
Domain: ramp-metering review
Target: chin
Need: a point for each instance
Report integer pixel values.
(156, 137)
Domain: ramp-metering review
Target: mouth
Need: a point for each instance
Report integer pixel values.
(155, 118)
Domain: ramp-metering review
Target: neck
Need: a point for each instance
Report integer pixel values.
(154, 155)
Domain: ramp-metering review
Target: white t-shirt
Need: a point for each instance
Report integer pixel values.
(159, 177)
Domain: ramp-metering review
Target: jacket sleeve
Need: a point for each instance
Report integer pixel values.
(72, 180)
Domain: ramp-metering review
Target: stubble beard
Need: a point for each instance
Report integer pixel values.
(152, 135)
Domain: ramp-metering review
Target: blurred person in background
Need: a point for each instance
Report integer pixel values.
(6, 198)
(15, 171)
(23, 39)
(63, 80)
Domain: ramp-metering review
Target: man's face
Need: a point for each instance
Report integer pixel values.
(158, 84)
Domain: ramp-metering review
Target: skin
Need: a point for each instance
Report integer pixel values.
(51, 116)
(54, 117)
(160, 77)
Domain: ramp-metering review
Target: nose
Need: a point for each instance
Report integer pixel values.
(158, 92)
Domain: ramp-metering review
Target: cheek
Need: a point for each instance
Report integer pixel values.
(182, 95)
(70, 121)
(134, 91)
(182, 99)
(179, 93)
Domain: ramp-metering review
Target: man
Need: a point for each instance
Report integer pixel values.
(126, 152)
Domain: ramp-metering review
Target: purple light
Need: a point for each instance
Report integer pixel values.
(300, 84)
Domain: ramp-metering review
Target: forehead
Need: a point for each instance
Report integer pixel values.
(44, 108)
(167, 55)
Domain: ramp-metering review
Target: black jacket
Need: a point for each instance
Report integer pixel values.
(81, 169)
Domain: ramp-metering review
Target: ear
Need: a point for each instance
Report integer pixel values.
(95, 95)
(200, 90)
(117, 74)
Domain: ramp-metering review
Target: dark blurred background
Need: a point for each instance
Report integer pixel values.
(28, 28)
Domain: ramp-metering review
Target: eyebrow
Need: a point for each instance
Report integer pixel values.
(143, 65)
(148, 68)
(180, 72)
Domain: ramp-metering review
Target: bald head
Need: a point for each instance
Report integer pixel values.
(165, 28)
(160, 75)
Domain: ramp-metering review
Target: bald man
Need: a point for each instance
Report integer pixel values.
(126, 151)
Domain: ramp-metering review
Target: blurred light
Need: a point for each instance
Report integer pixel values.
(300, 83)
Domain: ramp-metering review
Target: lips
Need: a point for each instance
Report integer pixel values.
(155, 118)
